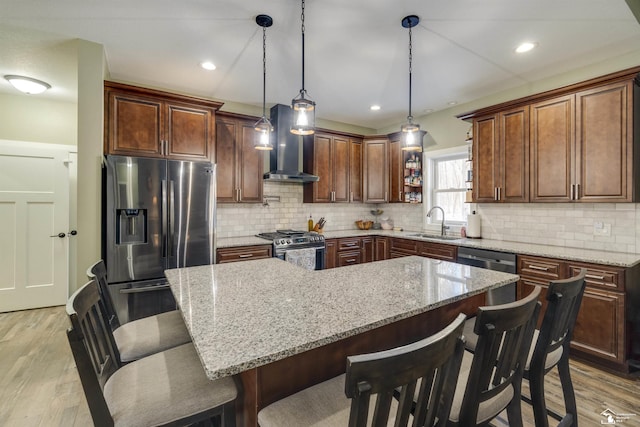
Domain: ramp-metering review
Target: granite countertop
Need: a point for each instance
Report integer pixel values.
(618, 259)
(246, 314)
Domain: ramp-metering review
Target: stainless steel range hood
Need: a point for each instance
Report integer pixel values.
(284, 158)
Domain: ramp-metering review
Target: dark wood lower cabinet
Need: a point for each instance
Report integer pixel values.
(346, 258)
(243, 253)
(368, 254)
(381, 248)
(331, 251)
(600, 335)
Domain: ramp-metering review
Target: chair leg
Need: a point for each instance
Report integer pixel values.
(567, 390)
(514, 411)
(229, 414)
(536, 388)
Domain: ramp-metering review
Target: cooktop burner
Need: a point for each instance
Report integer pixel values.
(292, 239)
(279, 234)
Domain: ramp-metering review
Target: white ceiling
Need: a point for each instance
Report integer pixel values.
(356, 50)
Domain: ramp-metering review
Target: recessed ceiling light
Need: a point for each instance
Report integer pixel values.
(452, 103)
(526, 47)
(374, 108)
(27, 84)
(208, 65)
(428, 110)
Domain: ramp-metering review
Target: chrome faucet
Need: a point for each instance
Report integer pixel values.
(442, 228)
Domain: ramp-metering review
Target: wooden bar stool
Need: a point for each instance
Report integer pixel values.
(427, 369)
(141, 337)
(490, 379)
(166, 388)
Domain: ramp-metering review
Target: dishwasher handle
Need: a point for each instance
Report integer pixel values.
(152, 288)
(482, 259)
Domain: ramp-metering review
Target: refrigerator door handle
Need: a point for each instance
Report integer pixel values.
(164, 214)
(172, 228)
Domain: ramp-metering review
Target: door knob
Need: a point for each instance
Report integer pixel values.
(73, 233)
(60, 235)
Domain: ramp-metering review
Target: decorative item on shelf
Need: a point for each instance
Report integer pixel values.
(364, 225)
(304, 110)
(412, 140)
(264, 126)
(468, 197)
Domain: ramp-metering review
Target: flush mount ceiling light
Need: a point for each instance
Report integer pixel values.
(27, 84)
(304, 110)
(263, 126)
(208, 65)
(375, 108)
(411, 140)
(526, 47)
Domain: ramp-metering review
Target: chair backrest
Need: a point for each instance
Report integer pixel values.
(99, 272)
(93, 347)
(564, 298)
(504, 334)
(431, 365)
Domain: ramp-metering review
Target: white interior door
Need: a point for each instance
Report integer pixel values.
(34, 205)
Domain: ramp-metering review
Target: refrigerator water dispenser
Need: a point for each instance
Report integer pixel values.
(131, 226)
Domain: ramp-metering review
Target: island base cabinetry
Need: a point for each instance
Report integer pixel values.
(600, 335)
(277, 380)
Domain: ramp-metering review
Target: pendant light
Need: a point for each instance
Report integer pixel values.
(411, 140)
(304, 110)
(263, 126)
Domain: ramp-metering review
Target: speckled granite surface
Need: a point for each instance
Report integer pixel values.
(246, 314)
(618, 259)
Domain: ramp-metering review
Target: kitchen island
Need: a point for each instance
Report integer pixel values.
(281, 328)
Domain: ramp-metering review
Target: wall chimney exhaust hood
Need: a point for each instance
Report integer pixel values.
(284, 158)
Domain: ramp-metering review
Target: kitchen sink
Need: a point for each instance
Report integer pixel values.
(434, 236)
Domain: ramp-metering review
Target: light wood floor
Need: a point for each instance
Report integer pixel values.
(39, 385)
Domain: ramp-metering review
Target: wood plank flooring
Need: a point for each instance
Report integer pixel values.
(39, 384)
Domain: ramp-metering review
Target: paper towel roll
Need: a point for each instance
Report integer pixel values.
(474, 226)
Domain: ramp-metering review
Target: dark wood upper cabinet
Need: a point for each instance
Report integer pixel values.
(376, 170)
(604, 144)
(150, 123)
(396, 170)
(328, 156)
(501, 157)
(239, 164)
(552, 149)
(581, 144)
(355, 169)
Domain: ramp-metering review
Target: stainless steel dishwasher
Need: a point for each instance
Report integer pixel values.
(492, 260)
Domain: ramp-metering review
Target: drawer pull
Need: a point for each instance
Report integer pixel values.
(351, 260)
(351, 244)
(591, 276)
(536, 267)
(245, 256)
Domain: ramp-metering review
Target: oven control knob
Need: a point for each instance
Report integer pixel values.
(288, 241)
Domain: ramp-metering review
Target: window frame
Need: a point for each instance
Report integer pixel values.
(429, 161)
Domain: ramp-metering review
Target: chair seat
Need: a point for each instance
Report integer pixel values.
(150, 335)
(472, 340)
(164, 387)
(487, 409)
(323, 404)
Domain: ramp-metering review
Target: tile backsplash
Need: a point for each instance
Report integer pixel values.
(601, 226)
(289, 212)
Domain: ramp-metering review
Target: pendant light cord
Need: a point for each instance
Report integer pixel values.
(302, 91)
(410, 117)
(264, 71)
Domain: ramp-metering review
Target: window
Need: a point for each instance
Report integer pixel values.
(447, 171)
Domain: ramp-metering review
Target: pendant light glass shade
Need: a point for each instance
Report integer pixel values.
(263, 126)
(304, 110)
(412, 139)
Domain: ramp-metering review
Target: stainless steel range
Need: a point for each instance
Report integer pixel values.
(288, 240)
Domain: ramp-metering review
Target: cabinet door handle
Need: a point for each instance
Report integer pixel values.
(351, 197)
(351, 260)
(400, 195)
(245, 255)
(351, 244)
(592, 276)
(577, 191)
(499, 193)
(386, 196)
(495, 193)
(536, 267)
(239, 194)
(571, 196)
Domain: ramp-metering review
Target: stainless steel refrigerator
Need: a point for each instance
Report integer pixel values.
(158, 214)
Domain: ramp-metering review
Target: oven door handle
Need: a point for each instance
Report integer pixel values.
(144, 289)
